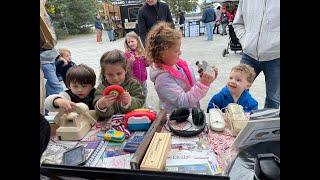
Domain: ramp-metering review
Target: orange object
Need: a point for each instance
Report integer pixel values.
(113, 89)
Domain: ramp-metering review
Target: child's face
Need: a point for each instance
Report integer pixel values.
(67, 56)
(114, 73)
(81, 90)
(132, 43)
(171, 56)
(237, 82)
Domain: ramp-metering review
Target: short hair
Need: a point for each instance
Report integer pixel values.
(112, 57)
(132, 34)
(247, 70)
(81, 74)
(63, 51)
(160, 38)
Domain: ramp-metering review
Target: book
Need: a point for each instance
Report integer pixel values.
(54, 152)
(89, 147)
(257, 131)
(202, 168)
(119, 162)
(191, 157)
(96, 154)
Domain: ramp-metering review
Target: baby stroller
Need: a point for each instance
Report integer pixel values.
(233, 44)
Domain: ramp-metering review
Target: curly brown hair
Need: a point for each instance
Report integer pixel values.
(247, 70)
(160, 38)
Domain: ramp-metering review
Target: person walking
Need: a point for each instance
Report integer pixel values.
(208, 17)
(218, 21)
(98, 27)
(182, 19)
(257, 25)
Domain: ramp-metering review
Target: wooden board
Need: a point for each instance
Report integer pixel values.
(157, 153)
(155, 127)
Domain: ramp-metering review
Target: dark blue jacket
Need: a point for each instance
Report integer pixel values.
(150, 15)
(62, 70)
(208, 15)
(97, 23)
(223, 98)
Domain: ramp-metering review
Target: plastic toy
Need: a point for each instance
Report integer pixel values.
(113, 89)
(114, 135)
(139, 119)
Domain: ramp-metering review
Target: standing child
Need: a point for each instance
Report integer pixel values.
(80, 82)
(174, 80)
(136, 59)
(114, 71)
(236, 90)
(63, 64)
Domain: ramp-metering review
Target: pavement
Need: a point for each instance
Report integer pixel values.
(85, 50)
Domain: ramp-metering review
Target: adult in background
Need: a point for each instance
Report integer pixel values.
(149, 14)
(208, 18)
(98, 26)
(218, 20)
(257, 25)
(224, 20)
(182, 19)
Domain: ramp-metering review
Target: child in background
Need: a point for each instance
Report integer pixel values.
(80, 82)
(114, 71)
(236, 90)
(134, 54)
(174, 79)
(63, 64)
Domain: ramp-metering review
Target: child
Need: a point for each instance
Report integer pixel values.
(80, 82)
(236, 90)
(174, 80)
(136, 59)
(114, 71)
(64, 63)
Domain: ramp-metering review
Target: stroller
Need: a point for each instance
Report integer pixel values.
(233, 44)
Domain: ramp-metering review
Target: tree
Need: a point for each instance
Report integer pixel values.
(182, 5)
(72, 16)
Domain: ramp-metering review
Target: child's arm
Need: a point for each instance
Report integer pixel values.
(103, 105)
(134, 89)
(168, 89)
(216, 100)
(50, 101)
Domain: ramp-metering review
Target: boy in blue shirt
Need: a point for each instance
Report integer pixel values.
(236, 90)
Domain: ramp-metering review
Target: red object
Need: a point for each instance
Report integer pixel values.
(139, 113)
(113, 89)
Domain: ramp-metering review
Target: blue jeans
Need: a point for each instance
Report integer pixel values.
(110, 34)
(271, 70)
(209, 30)
(53, 85)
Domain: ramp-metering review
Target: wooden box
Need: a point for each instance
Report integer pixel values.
(157, 153)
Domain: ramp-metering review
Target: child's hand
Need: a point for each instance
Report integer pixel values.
(64, 104)
(106, 101)
(208, 77)
(125, 98)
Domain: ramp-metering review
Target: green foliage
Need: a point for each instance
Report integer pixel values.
(72, 16)
(182, 5)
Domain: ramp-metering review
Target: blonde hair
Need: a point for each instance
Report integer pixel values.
(140, 49)
(247, 70)
(160, 38)
(63, 51)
